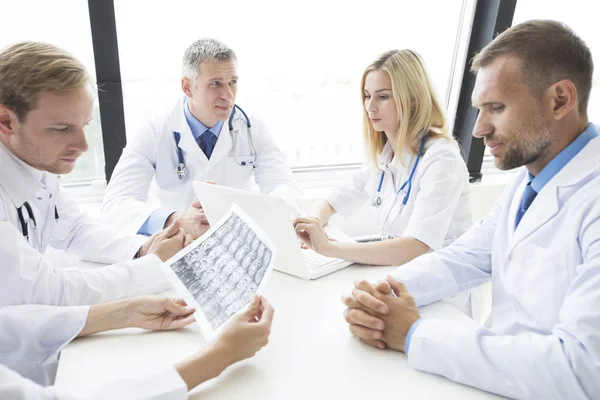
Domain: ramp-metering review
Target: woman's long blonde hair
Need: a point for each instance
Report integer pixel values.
(414, 96)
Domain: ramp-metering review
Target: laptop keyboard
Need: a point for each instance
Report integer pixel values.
(315, 260)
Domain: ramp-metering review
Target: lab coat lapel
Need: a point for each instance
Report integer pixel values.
(547, 203)
(187, 143)
(544, 207)
(224, 144)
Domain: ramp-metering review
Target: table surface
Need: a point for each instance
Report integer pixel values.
(311, 353)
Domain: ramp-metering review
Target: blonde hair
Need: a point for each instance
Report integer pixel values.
(414, 96)
(30, 68)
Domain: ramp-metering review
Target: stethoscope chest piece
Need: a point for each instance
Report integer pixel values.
(181, 171)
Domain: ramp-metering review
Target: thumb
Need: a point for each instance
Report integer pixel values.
(196, 204)
(267, 312)
(178, 307)
(397, 286)
(252, 310)
(172, 229)
(384, 287)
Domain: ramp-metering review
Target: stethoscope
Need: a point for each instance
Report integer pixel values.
(407, 184)
(30, 216)
(248, 160)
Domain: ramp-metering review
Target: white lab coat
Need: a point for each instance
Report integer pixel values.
(165, 384)
(74, 232)
(544, 341)
(438, 209)
(150, 159)
(28, 278)
(36, 333)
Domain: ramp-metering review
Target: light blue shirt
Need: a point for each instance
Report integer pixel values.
(538, 182)
(197, 127)
(562, 159)
(156, 220)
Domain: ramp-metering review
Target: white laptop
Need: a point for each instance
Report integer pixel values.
(273, 216)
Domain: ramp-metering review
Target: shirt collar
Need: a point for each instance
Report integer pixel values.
(197, 127)
(387, 158)
(562, 159)
(18, 178)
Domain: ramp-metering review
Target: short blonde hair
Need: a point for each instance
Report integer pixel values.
(30, 68)
(415, 98)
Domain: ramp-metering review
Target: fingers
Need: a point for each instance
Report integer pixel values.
(178, 236)
(306, 220)
(397, 286)
(200, 218)
(369, 301)
(374, 343)
(384, 287)
(172, 229)
(196, 204)
(178, 307)
(354, 316)
(364, 333)
(252, 310)
(267, 312)
(180, 323)
(187, 240)
(303, 227)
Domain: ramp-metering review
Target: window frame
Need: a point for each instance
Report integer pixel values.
(480, 21)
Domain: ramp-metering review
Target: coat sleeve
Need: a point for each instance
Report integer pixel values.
(561, 363)
(465, 264)
(89, 239)
(125, 205)
(29, 278)
(160, 385)
(34, 332)
(350, 194)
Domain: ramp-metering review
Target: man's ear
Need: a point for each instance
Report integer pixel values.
(564, 98)
(8, 121)
(186, 86)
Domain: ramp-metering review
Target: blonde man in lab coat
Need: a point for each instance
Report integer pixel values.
(540, 244)
(46, 100)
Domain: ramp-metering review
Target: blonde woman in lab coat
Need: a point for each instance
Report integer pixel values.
(415, 178)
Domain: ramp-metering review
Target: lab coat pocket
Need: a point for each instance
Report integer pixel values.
(539, 279)
(238, 175)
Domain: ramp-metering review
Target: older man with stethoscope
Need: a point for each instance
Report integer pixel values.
(205, 137)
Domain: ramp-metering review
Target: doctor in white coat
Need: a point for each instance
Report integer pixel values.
(45, 101)
(205, 137)
(416, 179)
(540, 244)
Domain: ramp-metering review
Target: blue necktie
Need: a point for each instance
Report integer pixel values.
(528, 196)
(207, 142)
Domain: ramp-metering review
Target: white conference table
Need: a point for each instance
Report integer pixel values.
(310, 355)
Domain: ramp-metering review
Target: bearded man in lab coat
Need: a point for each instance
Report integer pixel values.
(46, 100)
(539, 245)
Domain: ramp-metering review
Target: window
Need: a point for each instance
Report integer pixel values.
(66, 24)
(299, 67)
(583, 23)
